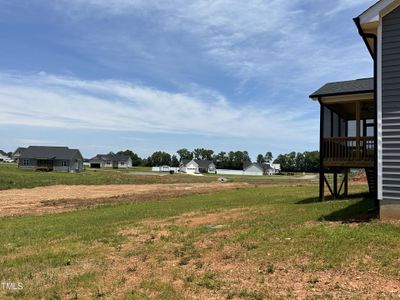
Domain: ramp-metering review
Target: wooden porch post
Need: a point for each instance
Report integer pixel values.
(346, 183)
(321, 154)
(335, 183)
(358, 129)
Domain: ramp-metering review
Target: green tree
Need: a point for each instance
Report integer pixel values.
(237, 158)
(184, 154)
(159, 158)
(311, 161)
(268, 157)
(260, 159)
(299, 162)
(201, 153)
(174, 161)
(221, 160)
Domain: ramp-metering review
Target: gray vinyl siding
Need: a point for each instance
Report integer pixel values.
(391, 106)
(32, 163)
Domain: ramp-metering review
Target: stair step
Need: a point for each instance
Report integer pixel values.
(371, 179)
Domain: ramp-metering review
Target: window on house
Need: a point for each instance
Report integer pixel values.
(25, 162)
(122, 163)
(64, 163)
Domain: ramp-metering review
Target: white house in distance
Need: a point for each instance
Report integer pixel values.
(272, 169)
(110, 160)
(257, 169)
(253, 169)
(197, 166)
(4, 156)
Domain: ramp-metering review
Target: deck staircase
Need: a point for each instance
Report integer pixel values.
(371, 179)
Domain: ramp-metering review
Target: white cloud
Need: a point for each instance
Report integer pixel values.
(61, 102)
(349, 4)
(252, 40)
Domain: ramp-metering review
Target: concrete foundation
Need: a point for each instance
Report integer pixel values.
(389, 210)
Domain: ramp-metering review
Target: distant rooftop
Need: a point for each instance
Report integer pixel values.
(44, 152)
(111, 157)
(364, 85)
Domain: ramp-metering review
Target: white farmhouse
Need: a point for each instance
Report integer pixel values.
(197, 166)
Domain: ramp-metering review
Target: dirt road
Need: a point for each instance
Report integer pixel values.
(60, 198)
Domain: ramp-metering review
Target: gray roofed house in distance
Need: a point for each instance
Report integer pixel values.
(45, 158)
(110, 160)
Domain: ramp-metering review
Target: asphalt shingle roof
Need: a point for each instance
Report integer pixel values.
(202, 163)
(43, 152)
(345, 87)
(111, 157)
(185, 161)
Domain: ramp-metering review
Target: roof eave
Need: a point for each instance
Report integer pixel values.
(366, 36)
(318, 97)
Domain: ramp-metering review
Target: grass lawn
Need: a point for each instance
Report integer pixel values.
(12, 177)
(259, 243)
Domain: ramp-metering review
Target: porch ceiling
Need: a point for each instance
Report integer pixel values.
(345, 105)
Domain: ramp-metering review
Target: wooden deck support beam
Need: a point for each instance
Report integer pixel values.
(321, 154)
(335, 184)
(358, 129)
(328, 185)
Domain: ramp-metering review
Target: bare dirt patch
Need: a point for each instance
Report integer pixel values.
(60, 198)
(198, 218)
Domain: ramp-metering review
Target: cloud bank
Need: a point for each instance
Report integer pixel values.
(67, 102)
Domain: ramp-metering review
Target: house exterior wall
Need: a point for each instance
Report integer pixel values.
(58, 165)
(111, 164)
(76, 163)
(253, 171)
(192, 168)
(390, 109)
(212, 168)
(27, 163)
(73, 165)
(125, 165)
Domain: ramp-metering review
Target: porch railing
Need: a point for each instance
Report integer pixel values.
(349, 149)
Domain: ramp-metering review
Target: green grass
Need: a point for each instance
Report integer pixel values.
(12, 177)
(67, 255)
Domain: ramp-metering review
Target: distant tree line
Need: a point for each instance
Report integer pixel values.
(290, 162)
(299, 162)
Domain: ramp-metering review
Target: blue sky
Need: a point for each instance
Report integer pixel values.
(108, 75)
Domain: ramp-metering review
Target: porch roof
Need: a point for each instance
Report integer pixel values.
(358, 86)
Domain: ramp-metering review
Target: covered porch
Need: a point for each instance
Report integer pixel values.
(347, 133)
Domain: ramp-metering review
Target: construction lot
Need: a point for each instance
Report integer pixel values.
(58, 198)
(261, 239)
